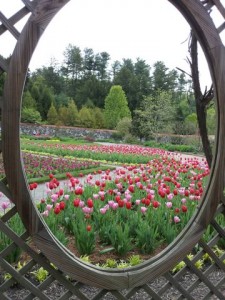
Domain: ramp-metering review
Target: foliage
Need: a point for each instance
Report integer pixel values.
(84, 238)
(52, 116)
(88, 77)
(120, 238)
(86, 117)
(135, 260)
(171, 147)
(72, 114)
(99, 121)
(40, 274)
(191, 123)
(155, 115)
(16, 225)
(147, 237)
(29, 115)
(43, 96)
(116, 107)
(130, 139)
(123, 126)
(28, 101)
(64, 115)
(211, 120)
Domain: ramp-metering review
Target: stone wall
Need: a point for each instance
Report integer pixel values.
(60, 131)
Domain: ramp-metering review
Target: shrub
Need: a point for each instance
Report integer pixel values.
(117, 136)
(123, 126)
(130, 139)
(30, 115)
(89, 139)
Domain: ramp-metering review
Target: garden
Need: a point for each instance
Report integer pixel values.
(117, 205)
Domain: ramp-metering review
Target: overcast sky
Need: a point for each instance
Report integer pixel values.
(149, 29)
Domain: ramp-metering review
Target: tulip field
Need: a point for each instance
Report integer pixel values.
(137, 208)
(134, 201)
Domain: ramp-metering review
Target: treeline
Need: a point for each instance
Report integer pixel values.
(87, 90)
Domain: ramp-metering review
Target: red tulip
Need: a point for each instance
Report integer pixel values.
(184, 208)
(57, 210)
(88, 228)
(76, 202)
(120, 203)
(155, 204)
(90, 203)
(62, 205)
(128, 205)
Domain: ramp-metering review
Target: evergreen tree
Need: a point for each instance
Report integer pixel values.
(72, 114)
(42, 95)
(86, 117)
(98, 117)
(29, 101)
(116, 107)
(63, 115)
(52, 116)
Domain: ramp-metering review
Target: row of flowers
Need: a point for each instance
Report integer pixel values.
(37, 166)
(114, 153)
(134, 207)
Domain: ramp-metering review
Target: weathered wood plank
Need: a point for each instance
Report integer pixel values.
(9, 26)
(3, 64)
(15, 18)
(197, 16)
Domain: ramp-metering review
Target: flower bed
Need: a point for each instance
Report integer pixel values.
(37, 166)
(113, 153)
(137, 209)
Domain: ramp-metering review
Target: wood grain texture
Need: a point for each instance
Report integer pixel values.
(196, 14)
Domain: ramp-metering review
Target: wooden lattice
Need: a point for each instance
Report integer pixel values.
(152, 279)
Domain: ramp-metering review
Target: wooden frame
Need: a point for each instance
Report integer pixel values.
(15, 184)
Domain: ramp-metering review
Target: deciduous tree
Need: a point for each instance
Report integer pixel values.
(116, 107)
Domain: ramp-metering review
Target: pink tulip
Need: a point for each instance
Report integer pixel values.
(87, 210)
(66, 197)
(101, 193)
(169, 204)
(176, 219)
(111, 203)
(170, 196)
(103, 210)
(5, 205)
(115, 206)
(49, 207)
(128, 197)
(54, 197)
(183, 200)
(81, 204)
(143, 209)
(45, 213)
